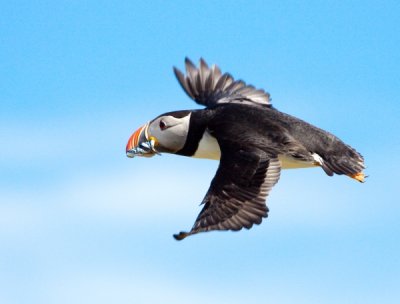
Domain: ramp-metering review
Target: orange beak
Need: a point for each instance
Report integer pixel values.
(139, 144)
(133, 141)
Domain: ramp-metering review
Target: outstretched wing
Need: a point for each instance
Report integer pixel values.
(209, 87)
(237, 194)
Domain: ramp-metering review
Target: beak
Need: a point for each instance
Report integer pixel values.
(139, 144)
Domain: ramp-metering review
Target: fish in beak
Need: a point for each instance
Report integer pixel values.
(141, 144)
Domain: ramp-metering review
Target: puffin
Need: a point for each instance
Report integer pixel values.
(251, 139)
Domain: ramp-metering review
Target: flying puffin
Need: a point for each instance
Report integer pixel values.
(252, 140)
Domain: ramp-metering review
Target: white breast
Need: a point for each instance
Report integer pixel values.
(208, 147)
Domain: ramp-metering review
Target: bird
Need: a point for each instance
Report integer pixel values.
(251, 139)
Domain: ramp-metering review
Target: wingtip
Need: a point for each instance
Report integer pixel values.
(177, 72)
(189, 62)
(180, 236)
(203, 63)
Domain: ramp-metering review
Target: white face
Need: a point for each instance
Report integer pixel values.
(170, 132)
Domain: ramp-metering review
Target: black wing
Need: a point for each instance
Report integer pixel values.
(236, 197)
(209, 87)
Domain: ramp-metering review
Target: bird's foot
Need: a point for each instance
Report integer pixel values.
(359, 177)
(181, 235)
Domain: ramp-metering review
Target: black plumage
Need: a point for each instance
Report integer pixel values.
(209, 87)
(253, 141)
(251, 134)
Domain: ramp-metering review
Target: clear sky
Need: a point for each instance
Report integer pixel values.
(82, 223)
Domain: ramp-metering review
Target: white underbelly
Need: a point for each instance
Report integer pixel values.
(209, 148)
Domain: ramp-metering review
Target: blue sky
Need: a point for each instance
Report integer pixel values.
(81, 223)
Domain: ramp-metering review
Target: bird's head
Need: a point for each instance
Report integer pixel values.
(165, 133)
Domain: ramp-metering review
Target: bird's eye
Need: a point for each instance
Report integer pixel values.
(163, 125)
